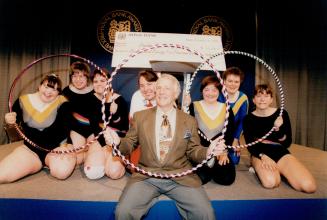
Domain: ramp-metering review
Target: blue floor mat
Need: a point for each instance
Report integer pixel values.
(12, 209)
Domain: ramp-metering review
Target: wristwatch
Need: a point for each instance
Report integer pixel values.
(261, 155)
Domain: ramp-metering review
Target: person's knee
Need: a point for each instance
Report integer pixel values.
(270, 182)
(225, 181)
(94, 172)
(115, 172)
(61, 166)
(225, 175)
(61, 175)
(308, 186)
(61, 172)
(7, 178)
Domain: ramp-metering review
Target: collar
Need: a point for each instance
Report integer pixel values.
(81, 91)
(170, 113)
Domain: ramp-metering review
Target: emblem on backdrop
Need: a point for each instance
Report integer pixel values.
(118, 20)
(213, 25)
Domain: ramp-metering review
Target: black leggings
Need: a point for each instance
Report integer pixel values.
(223, 175)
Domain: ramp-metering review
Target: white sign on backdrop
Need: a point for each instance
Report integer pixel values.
(129, 42)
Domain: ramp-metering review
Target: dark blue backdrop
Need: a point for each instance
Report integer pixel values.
(167, 17)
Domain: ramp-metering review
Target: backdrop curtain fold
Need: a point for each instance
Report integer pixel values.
(295, 46)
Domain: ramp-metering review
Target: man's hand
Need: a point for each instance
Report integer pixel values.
(111, 137)
(10, 118)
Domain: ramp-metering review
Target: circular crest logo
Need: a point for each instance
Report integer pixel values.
(213, 25)
(118, 20)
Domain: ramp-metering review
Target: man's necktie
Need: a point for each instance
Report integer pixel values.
(165, 136)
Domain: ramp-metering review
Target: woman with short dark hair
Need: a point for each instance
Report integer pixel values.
(270, 158)
(44, 117)
(210, 115)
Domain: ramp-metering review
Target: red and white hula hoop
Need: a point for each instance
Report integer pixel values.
(10, 103)
(281, 92)
(109, 87)
(146, 49)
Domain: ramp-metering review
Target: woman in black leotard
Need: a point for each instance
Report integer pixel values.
(271, 158)
(44, 117)
(99, 160)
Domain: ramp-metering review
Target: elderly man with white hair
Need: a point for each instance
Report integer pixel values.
(169, 142)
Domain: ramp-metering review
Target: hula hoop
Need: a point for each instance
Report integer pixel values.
(281, 92)
(119, 66)
(10, 103)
